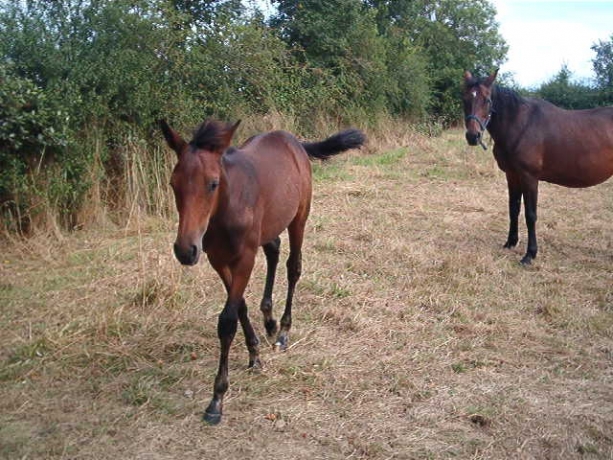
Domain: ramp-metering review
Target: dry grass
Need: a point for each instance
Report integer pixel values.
(415, 334)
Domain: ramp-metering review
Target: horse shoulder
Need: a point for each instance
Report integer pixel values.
(235, 211)
(527, 151)
(500, 155)
(228, 233)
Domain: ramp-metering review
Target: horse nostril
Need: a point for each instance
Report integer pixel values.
(472, 138)
(186, 255)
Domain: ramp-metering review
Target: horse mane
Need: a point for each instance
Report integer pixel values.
(503, 99)
(506, 100)
(211, 135)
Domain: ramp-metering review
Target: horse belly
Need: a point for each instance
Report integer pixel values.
(590, 169)
(273, 224)
(286, 199)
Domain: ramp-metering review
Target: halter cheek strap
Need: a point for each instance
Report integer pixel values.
(482, 124)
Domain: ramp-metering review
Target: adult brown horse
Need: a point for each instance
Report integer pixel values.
(535, 140)
(230, 202)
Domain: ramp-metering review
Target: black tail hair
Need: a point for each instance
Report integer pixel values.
(339, 142)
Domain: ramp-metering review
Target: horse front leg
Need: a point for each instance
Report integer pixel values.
(514, 187)
(226, 330)
(234, 309)
(530, 194)
(251, 338)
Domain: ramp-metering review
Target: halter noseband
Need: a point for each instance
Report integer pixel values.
(482, 124)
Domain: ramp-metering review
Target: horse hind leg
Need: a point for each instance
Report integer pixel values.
(251, 338)
(294, 269)
(271, 250)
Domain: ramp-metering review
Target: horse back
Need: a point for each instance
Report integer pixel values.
(273, 172)
(573, 148)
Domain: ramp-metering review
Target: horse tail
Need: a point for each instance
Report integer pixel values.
(337, 143)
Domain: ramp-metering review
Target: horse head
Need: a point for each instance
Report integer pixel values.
(477, 101)
(197, 182)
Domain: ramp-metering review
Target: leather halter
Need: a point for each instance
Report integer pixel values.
(482, 123)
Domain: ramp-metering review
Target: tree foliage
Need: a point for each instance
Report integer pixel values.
(453, 36)
(341, 39)
(82, 78)
(603, 68)
(562, 91)
(567, 92)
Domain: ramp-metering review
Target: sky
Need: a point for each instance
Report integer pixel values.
(543, 35)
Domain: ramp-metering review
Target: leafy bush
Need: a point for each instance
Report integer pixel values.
(33, 132)
(85, 81)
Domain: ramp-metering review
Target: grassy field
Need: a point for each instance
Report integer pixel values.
(415, 334)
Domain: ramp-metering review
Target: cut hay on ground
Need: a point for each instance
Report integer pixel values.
(415, 335)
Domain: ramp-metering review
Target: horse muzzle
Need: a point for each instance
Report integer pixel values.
(187, 254)
(473, 138)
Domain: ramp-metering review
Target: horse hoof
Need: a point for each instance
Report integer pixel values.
(211, 419)
(255, 365)
(281, 344)
(510, 244)
(526, 261)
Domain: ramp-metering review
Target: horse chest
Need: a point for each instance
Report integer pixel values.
(224, 240)
(502, 159)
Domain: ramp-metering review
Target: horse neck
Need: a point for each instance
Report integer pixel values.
(501, 116)
(494, 127)
(223, 196)
(231, 187)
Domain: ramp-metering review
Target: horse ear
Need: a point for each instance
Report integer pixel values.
(228, 134)
(173, 139)
(490, 80)
(468, 76)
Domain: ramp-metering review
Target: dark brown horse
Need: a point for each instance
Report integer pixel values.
(232, 201)
(535, 140)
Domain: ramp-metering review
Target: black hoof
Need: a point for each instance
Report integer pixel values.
(211, 419)
(510, 244)
(271, 327)
(527, 260)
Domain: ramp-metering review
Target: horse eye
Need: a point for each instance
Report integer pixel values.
(212, 185)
